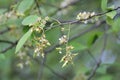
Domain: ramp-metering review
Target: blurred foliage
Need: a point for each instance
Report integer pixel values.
(18, 17)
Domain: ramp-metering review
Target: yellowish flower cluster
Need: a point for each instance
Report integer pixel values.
(63, 39)
(68, 57)
(85, 15)
(38, 26)
(24, 59)
(41, 44)
(7, 15)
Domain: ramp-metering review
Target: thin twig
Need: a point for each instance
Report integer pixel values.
(61, 23)
(4, 31)
(99, 61)
(76, 36)
(41, 69)
(5, 41)
(92, 56)
(99, 14)
(37, 5)
(10, 47)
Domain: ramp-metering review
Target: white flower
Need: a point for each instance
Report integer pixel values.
(63, 39)
(85, 15)
(47, 18)
(92, 14)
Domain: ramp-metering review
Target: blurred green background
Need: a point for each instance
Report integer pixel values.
(83, 62)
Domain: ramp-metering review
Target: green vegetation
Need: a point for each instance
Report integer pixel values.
(59, 40)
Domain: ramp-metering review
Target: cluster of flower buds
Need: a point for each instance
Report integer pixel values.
(10, 14)
(62, 29)
(24, 59)
(59, 49)
(63, 39)
(85, 15)
(5, 16)
(69, 48)
(38, 26)
(21, 55)
(68, 58)
(41, 44)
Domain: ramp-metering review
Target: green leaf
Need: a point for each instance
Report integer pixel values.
(23, 40)
(30, 20)
(111, 7)
(116, 26)
(104, 5)
(92, 39)
(109, 21)
(24, 6)
(111, 14)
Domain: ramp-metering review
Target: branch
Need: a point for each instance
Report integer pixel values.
(37, 5)
(92, 56)
(41, 69)
(79, 21)
(4, 31)
(76, 36)
(99, 61)
(61, 23)
(10, 47)
(94, 70)
(5, 41)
